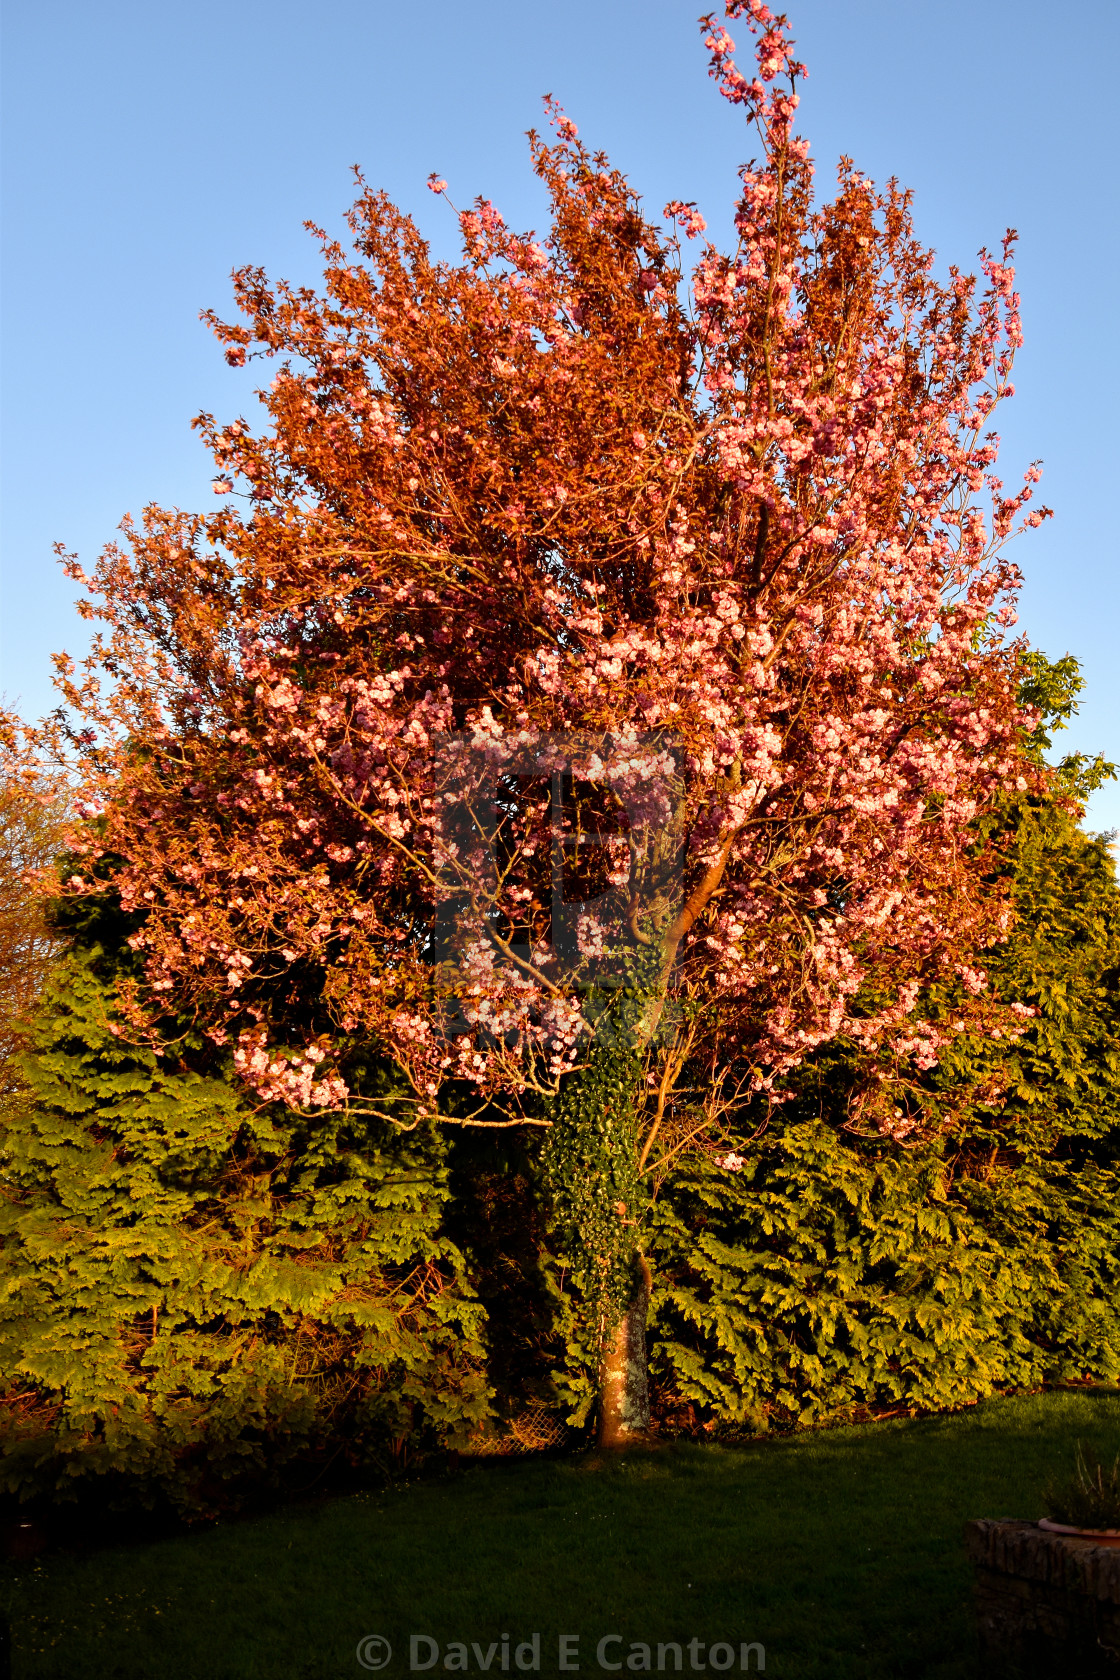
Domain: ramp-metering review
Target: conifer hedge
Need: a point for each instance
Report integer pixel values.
(839, 1274)
(195, 1292)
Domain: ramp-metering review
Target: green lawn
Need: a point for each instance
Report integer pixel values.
(840, 1552)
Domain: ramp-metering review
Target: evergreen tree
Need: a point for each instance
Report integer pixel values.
(194, 1291)
(837, 1270)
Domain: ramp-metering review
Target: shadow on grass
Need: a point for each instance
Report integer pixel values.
(839, 1552)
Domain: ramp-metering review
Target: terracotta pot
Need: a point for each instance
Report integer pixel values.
(1099, 1536)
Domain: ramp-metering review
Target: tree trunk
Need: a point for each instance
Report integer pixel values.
(624, 1383)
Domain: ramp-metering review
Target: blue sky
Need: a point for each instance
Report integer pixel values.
(148, 149)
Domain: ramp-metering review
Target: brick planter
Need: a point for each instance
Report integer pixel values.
(1046, 1604)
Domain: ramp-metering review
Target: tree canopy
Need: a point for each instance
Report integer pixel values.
(588, 715)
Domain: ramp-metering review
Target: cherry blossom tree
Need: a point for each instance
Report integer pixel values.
(586, 708)
(33, 820)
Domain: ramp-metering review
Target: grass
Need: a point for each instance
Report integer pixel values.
(839, 1551)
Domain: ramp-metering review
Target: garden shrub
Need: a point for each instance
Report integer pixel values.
(839, 1273)
(194, 1291)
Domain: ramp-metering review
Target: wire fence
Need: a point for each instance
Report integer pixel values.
(535, 1430)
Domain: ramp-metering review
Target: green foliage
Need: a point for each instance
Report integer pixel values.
(841, 1272)
(596, 1195)
(823, 1282)
(1090, 1498)
(596, 1192)
(1051, 688)
(192, 1291)
(591, 1153)
(591, 1161)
